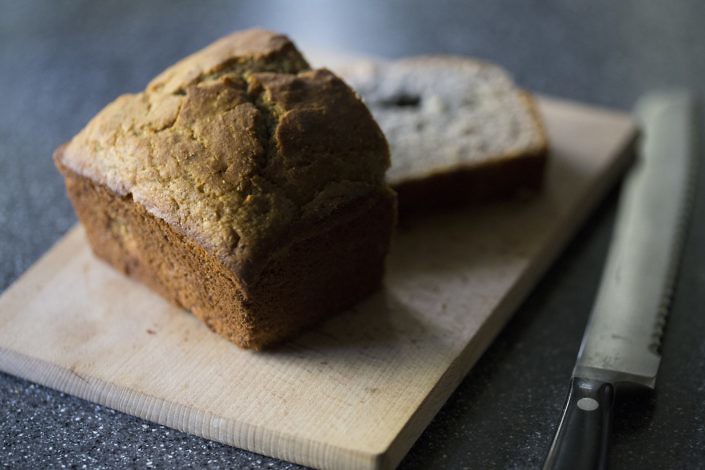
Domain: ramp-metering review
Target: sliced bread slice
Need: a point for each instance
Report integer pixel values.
(459, 129)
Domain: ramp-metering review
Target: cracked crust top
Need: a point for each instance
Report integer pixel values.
(240, 146)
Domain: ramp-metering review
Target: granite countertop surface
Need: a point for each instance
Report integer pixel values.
(60, 62)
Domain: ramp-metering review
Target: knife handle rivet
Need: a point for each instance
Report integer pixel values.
(588, 404)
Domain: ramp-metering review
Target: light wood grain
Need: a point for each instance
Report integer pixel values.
(354, 392)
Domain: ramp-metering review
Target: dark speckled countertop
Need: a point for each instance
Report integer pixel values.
(61, 61)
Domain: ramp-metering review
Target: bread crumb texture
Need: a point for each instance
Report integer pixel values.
(240, 146)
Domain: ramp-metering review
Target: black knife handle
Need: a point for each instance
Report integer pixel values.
(582, 438)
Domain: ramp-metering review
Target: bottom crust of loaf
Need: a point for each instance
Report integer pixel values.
(314, 278)
(498, 179)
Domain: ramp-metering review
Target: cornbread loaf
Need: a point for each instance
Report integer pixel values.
(459, 129)
(241, 185)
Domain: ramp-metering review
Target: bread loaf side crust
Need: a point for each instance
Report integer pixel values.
(313, 278)
(495, 180)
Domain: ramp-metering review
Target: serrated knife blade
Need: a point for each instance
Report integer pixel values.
(622, 339)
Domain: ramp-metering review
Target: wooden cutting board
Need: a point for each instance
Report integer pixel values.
(354, 392)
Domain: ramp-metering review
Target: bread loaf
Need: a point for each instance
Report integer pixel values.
(240, 185)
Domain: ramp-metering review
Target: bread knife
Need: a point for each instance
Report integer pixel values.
(621, 344)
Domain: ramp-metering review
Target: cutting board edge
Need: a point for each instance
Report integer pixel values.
(100, 392)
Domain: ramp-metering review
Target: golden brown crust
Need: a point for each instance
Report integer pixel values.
(239, 146)
(250, 50)
(532, 105)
